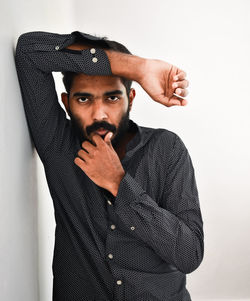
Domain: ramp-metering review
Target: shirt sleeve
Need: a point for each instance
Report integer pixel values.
(37, 55)
(173, 230)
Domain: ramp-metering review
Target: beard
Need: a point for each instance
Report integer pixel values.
(120, 131)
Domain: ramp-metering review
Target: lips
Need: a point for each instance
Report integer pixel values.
(101, 131)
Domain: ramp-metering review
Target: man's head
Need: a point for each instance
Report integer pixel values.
(95, 102)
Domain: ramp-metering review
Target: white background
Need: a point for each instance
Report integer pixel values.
(207, 39)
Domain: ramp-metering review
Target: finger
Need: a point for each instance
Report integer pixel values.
(82, 154)
(168, 102)
(181, 84)
(97, 139)
(107, 138)
(173, 101)
(181, 92)
(176, 100)
(79, 163)
(88, 146)
(180, 76)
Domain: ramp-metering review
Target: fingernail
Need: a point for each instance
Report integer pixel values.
(176, 77)
(175, 85)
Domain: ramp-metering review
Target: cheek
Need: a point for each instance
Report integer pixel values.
(124, 105)
(116, 116)
(122, 109)
(80, 121)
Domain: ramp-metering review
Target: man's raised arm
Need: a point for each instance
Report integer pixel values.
(40, 53)
(163, 82)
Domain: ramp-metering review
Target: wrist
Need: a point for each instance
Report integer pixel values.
(115, 185)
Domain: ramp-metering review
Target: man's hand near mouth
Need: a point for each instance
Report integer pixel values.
(101, 163)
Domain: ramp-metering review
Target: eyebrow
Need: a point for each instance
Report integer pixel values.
(108, 93)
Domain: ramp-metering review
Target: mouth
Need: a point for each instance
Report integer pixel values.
(101, 131)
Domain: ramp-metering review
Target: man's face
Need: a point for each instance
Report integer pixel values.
(98, 102)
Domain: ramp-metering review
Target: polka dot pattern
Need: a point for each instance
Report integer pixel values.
(137, 246)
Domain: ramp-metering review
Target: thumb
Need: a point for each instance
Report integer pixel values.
(107, 137)
(169, 101)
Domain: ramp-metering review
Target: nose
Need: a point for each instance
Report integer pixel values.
(99, 111)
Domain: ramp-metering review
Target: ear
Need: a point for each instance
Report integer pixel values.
(65, 101)
(131, 98)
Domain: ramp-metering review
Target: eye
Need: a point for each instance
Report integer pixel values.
(82, 98)
(113, 98)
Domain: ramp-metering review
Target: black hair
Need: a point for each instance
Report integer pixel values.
(103, 43)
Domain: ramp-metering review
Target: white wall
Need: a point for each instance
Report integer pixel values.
(21, 173)
(18, 215)
(210, 41)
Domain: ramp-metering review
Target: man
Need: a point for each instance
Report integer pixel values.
(128, 220)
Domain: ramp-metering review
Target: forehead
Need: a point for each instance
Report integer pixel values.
(93, 82)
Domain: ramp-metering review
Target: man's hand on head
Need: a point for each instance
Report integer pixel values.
(101, 163)
(161, 80)
(156, 77)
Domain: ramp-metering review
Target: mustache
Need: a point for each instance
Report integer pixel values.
(101, 124)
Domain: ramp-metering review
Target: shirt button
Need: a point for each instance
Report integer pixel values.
(92, 50)
(57, 47)
(109, 202)
(119, 282)
(110, 256)
(112, 227)
(94, 59)
(132, 228)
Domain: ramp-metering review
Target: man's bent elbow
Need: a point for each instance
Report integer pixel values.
(190, 261)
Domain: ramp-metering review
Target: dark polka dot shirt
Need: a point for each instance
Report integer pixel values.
(137, 246)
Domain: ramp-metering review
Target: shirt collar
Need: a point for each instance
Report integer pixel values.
(133, 127)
